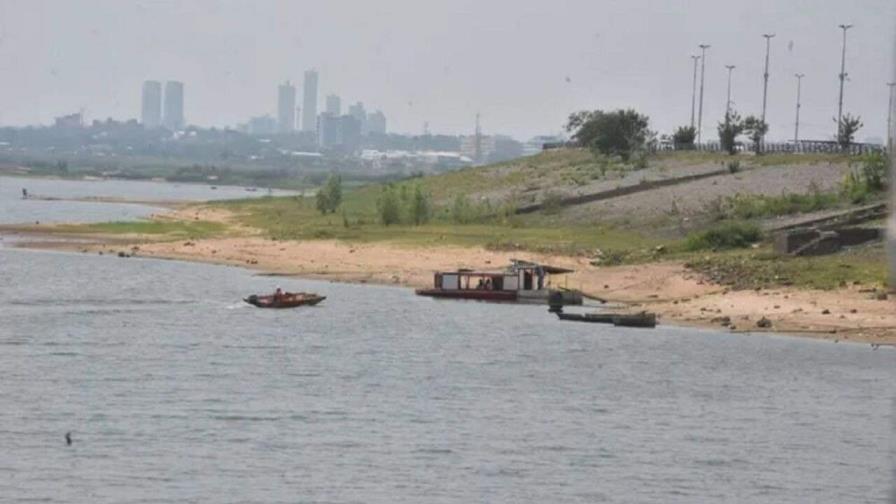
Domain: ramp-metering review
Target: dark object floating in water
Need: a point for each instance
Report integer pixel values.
(642, 319)
(285, 300)
(68, 438)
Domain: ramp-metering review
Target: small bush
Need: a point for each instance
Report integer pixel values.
(757, 206)
(552, 202)
(725, 236)
(867, 180)
(733, 166)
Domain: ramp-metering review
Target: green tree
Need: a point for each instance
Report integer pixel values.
(329, 197)
(388, 206)
(847, 129)
(756, 129)
(461, 210)
(683, 138)
(420, 206)
(621, 132)
(729, 130)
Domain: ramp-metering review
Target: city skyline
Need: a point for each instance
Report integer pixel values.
(634, 54)
(286, 107)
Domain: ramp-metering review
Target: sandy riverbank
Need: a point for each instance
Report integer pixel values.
(677, 295)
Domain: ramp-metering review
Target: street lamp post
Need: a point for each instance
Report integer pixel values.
(843, 27)
(703, 48)
(890, 120)
(768, 44)
(728, 101)
(796, 131)
(694, 90)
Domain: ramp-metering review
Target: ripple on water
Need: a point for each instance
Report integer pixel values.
(380, 396)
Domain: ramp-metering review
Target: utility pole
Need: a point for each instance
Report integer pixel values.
(768, 45)
(843, 27)
(477, 147)
(890, 120)
(703, 48)
(796, 131)
(694, 90)
(728, 102)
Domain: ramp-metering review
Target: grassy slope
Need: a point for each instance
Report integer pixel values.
(295, 218)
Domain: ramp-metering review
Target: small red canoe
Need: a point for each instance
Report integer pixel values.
(286, 300)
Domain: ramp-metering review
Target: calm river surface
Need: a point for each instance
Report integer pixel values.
(175, 391)
(15, 210)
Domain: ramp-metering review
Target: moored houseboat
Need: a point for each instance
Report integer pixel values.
(522, 281)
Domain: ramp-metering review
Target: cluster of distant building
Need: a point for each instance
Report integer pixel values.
(156, 113)
(303, 131)
(331, 129)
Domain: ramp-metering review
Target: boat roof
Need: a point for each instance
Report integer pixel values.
(515, 264)
(553, 270)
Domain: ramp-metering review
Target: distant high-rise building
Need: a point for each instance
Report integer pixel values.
(339, 132)
(376, 122)
(357, 111)
(309, 102)
(329, 131)
(173, 117)
(151, 113)
(334, 105)
(75, 120)
(262, 125)
(286, 108)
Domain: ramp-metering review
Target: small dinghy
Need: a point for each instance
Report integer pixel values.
(642, 319)
(285, 300)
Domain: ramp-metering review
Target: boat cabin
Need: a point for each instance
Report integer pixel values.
(521, 281)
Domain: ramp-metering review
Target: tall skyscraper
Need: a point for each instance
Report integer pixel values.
(151, 113)
(286, 108)
(357, 111)
(376, 122)
(309, 102)
(334, 105)
(173, 117)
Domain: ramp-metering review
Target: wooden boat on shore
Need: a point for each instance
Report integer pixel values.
(642, 319)
(285, 300)
(522, 281)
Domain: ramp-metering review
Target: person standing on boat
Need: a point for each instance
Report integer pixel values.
(278, 294)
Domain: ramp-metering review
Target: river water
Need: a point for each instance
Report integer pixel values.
(176, 391)
(46, 208)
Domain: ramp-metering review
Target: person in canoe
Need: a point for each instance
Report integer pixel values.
(278, 295)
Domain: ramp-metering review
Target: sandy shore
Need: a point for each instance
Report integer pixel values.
(676, 294)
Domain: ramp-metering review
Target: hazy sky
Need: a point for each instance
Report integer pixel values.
(525, 65)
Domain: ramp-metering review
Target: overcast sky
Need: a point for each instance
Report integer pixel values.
(525, 65)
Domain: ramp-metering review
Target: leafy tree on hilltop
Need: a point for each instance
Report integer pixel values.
(756, 129)
(729, 130)
(621, 132)
(847, 129)
(683, 138)
(388, 206)
(421, 209)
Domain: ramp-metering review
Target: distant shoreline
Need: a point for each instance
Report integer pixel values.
(678, 295)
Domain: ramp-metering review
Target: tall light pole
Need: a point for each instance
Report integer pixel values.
(694, 89)
(768, 45)
(703, 48)
(890, 120)
(796, 131)
(843, 27)
(728, 102)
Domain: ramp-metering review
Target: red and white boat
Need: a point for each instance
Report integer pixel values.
(522, 281)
